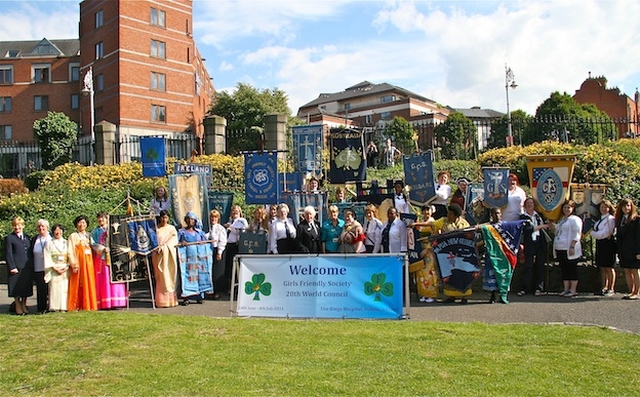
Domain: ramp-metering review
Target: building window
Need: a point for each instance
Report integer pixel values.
(158, 49)
(367, 119)
(5, 104)
(5, 132)
(158, 113)
(158, 81)
(6, 74)
(100, 50)
(387, 98)
(75, 101)
(385, 115)
(99, 19)
(74, 72)
(100, 82)
(12, 54)
(347, 106)
(158, 17)
(40, 103)
(41, 73)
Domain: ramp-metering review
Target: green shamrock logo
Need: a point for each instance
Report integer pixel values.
(378, 286)
(257, 286)
(152, 154)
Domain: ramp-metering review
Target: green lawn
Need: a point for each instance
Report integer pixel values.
(124, 353)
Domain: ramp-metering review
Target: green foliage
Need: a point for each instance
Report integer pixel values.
(457, 137)
(56, 135)
(561, 118)
(33, 180)
(402, 134)
(520, 121)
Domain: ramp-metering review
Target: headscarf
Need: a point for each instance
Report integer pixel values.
(193, 215)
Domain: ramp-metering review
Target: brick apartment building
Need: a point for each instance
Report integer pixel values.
(620, 107)
(148, 76)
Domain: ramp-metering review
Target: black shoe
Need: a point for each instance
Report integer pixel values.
(199, 301)
(463, 301)
(184, 303)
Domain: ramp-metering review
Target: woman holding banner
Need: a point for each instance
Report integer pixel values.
(110, 295)
(165, 262)
(189, 271)
(515, 200)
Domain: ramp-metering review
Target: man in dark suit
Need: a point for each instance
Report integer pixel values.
(308, 233)
(17, 254)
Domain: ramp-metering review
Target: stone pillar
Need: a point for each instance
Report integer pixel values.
(215, 134)
(275, 133)
(105, 143)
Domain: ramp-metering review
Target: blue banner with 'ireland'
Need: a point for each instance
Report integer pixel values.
(153, 156)
(328, 286)
(261, 178)
(418, 175)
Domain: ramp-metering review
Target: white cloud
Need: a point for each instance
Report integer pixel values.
(225, 66)
(28, 21)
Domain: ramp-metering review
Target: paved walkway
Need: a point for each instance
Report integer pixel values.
(584, 310)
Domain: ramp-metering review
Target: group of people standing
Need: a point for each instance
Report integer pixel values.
(69, 274)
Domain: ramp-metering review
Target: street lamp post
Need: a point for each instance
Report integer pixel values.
(637, 132)
(509, 81)
(87, 89)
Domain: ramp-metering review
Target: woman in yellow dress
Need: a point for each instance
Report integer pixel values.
(165, 262)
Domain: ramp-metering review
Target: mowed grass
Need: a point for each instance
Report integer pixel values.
(133, 354)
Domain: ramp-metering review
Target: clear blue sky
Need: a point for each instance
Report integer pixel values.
(453, 52)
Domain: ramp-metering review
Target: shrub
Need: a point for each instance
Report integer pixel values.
(9, 187)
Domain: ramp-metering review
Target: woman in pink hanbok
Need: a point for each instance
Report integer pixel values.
(110, 295)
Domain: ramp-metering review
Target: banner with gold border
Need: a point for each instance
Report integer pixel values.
(549, 177)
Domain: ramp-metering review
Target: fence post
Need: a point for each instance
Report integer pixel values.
(105, 136)
(215, 133)
(275, 133)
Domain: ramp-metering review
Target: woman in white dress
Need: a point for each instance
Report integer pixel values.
(56, 264)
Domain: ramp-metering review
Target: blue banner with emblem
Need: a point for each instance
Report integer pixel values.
(496, 187)
(418, 175)
(347, 157)
(153, 156)
(261, 178)
(289, 182)
(307, 148)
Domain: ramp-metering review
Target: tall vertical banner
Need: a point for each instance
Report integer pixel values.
(476, 211)
(418, 175)
(189, 193)
(550, 175)
(347, 157)
(308, 143)
(126, 265)
(221, 202)
(328, 286)
(588, 198)
(153, 156)
(260, 178)
(496, 187)
(457, 258)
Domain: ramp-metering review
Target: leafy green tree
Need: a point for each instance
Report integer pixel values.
(520, 121)
(562, 119)
(402, 134)
(457, 137)
(57, 135)
(244, 110)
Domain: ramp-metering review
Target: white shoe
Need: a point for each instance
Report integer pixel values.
(429, 300)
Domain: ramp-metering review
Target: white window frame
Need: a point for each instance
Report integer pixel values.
(100, 50)
(158, 17)
(158, 113)
(72, 66)
(158, 49)
(158, 81)
(40, 66)
(99, 19)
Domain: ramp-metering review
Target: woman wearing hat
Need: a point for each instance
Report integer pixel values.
(461, 192)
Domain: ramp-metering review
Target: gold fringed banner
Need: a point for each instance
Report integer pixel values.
(550, 176)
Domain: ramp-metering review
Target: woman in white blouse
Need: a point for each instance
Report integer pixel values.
(372, 229)
(38, 245)
(235, 225)
(282, 236)
(567, 247)
(603, 232)
(218, 237)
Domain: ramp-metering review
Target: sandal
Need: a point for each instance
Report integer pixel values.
(521, 293)
(538, 292)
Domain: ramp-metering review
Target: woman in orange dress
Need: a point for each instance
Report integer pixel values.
(82, 282)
